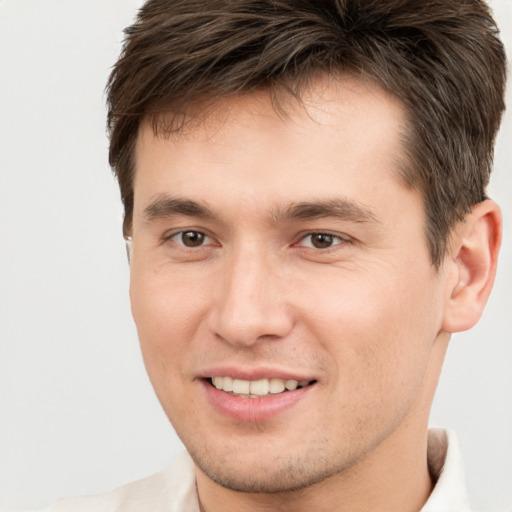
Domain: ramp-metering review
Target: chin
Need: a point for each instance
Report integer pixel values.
(267, 476)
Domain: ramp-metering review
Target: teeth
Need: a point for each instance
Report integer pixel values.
(256, 388)
(276, 386)
(259, 387)
(292, 384)
(227, 384)
(241, 387)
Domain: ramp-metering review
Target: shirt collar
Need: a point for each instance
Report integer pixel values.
(447, 470)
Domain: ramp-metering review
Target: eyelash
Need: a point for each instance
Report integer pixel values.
(332, 239)
(173, 236)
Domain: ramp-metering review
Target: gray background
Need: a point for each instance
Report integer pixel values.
(77, 413)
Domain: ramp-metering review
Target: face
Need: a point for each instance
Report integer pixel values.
(282, 288)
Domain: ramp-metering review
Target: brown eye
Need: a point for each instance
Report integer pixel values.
(191, 238)
(321, 240)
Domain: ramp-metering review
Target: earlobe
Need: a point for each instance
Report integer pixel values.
(474, 255)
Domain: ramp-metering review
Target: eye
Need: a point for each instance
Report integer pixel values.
(190, 238)
(320, 240)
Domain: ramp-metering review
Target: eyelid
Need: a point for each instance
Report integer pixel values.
(170, 234)
(342, 239)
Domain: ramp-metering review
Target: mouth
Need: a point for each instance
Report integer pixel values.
(256, 400)
(257, 388)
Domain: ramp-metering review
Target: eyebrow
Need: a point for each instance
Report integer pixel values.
(341, 208)
(166, 206)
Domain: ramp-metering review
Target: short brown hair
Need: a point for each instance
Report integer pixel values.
(441, 58)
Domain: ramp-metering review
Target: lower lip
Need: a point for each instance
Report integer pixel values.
(253, 409)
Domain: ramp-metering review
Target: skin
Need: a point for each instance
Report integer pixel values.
(368, 317)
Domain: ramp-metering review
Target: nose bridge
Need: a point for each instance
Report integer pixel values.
(249, 304)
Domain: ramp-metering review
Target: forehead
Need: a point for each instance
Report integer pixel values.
(343, 129)
(325, 100)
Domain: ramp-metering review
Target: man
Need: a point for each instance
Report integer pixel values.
(304, 193)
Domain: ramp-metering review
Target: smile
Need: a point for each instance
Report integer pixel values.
(255, 395)
(256, 388)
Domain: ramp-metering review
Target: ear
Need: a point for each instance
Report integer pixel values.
(473, 258)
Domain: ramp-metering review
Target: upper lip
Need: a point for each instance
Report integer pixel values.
(256, 373)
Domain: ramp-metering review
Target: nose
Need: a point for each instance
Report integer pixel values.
(250, 301)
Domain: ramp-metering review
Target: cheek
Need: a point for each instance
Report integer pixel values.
(167, 311)
(378, 327)
(163, 301)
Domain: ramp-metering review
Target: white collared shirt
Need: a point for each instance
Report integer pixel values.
(174, 489)
(447, 471)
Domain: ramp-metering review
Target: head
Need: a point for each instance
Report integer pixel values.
(442, 60)
(303, 184)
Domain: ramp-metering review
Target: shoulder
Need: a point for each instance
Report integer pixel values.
(170, 490)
